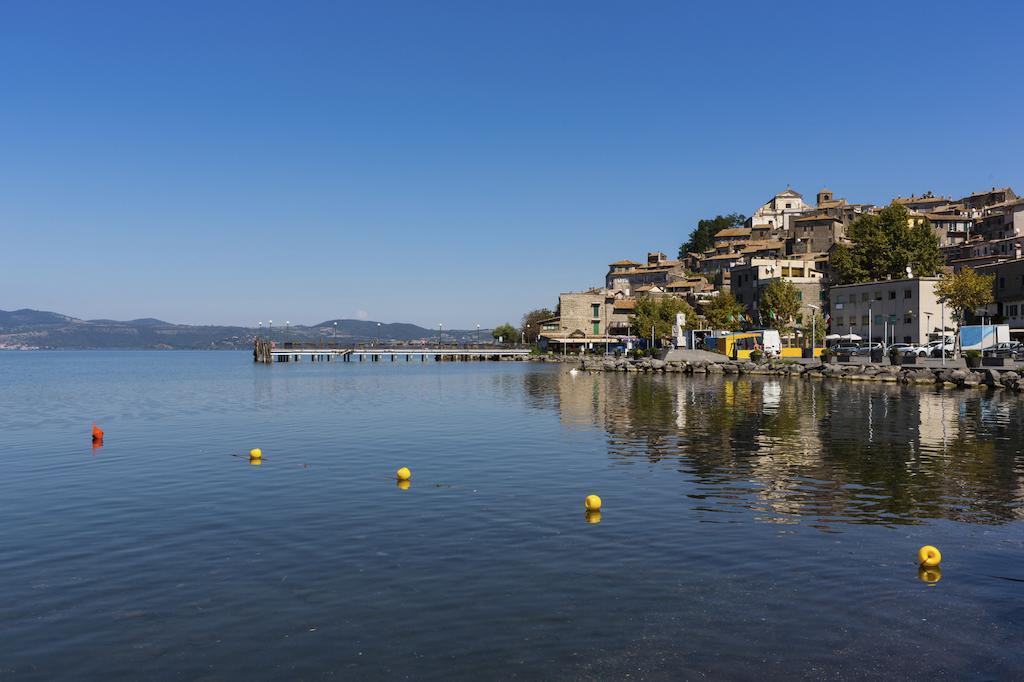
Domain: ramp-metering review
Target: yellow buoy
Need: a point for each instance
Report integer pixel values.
(593, 516)
(255, 453)
(929, 556)
(403, 484)
(403, 474)
(255, 461)
(593, 503)
(929, 575)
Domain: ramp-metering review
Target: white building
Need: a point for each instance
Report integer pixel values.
(774, 217)
(907, 310)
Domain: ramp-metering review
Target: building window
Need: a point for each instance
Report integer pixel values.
(839, 321)
(878, 295)
(892, 319)
(892, 295)
(840, 298)
(863, 296)
(863, 320)
(908, 293)
(789, 205)
(908, 319)
(1002, 282)
(878, 319)
(595, 310)
(597, 328)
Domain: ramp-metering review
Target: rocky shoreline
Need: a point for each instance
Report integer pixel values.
(901, 374)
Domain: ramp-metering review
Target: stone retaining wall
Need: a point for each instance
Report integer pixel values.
(950, 377)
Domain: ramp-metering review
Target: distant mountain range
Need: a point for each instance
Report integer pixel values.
(38, 329)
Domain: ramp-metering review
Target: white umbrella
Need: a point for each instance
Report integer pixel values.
(832, 337)
(850, 337)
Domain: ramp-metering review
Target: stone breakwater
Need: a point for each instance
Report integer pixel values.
(948, 377)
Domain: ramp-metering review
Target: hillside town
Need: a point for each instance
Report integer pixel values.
(808, 247)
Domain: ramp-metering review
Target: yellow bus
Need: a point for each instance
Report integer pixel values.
(740, 345)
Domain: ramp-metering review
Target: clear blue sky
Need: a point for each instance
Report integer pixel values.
(457, 162)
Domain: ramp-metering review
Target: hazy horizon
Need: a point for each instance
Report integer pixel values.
(456, 162)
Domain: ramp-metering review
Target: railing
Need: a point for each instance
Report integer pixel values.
(331, 345)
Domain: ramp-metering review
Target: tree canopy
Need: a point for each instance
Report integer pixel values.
(505, 333)
(883, 244)
(660, 313)
(964, 292)
(813, 324)
(530, 325)
(703, 236)
(780, 305)
(725, 312)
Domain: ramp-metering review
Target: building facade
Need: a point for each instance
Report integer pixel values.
(777, 212)
(586, 318)
(1008, 292)
(748, 281)
(904, 310)
(626, 275)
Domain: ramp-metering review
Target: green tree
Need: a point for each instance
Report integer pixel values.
(506, 333)
(660, 313)
(883, 245)
(530, 325)
(964, 292)
(725, 312)
(703, 236)
(817, 326)
(780, 305)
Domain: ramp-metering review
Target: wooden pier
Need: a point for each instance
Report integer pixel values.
(264, 351)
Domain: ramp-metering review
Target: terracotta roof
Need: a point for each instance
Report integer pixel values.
(990, 191)
(627, 303)
(733, 232)
(624, 262)
(820, 216)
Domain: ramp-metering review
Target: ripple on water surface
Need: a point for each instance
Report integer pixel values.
(749, 528)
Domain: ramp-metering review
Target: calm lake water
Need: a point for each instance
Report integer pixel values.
(752, 528)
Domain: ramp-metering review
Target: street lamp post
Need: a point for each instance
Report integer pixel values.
(871, 319)
(286, 323)
(478, 335)
(439, 325)
(814, 341)
(270, 334)
(335, 337)
(260, 326)
(942, 316)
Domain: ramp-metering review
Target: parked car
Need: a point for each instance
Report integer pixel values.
(901, 348)
(1006, 349)
(867, 347)
(845, 347)
(932, 349)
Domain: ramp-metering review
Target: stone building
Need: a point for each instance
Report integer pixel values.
(905, 310)
(625, 275)
(748, 281)
(586, 318)
(815, 233)
(980, 201)
(1008, 292)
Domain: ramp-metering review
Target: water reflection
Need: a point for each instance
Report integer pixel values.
(789, 449)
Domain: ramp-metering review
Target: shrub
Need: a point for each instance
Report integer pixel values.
(756, 355)
(973, 353)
